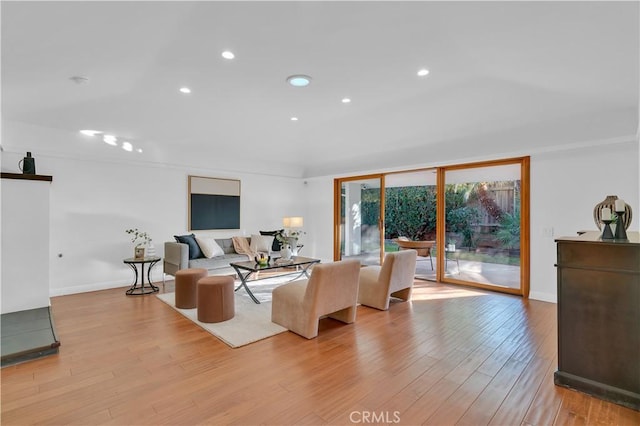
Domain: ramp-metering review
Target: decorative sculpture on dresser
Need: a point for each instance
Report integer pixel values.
(610, 203)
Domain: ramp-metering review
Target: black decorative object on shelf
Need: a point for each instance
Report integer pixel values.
(28, 165)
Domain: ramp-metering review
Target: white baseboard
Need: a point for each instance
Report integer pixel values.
(105, 285)
(545, 297)
(88, 287)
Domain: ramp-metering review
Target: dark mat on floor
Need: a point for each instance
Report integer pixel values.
(27, 335)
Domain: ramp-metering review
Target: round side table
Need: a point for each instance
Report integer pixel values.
(133, 262)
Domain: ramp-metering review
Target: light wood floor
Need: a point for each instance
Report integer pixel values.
(451, 356)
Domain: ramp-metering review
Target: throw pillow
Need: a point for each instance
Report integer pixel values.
(190, 240)
(209, 247)
(275, 246)
(261, 243)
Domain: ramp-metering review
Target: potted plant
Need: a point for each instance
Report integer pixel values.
(140, 240)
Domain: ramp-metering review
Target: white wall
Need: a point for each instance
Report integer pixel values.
(93, 202)
(318, 220)
(565, 186)
(25, 249)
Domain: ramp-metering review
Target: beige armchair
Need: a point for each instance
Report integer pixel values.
(393, 278)
(331, 291)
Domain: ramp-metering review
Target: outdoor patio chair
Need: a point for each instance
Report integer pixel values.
(331, 291)
(393, 279)
(423, 248)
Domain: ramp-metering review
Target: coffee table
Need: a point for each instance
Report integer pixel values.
(246, 269)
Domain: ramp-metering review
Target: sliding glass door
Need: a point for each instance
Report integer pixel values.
(469, 223)
(358, 223)
(484, 232)
(410, 217)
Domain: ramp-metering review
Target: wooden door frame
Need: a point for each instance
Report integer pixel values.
(440, 219)
(524, 225)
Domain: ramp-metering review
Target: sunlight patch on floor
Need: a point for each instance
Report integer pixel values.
(433, 293)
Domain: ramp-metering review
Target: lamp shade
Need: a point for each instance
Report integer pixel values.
(292, 222)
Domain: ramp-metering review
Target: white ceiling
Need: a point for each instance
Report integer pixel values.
(505, 77)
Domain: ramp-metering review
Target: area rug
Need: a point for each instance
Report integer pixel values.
(251, 323)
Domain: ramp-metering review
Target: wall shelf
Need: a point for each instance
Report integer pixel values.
(23, 176)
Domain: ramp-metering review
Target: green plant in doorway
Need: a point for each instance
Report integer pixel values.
(509, 232)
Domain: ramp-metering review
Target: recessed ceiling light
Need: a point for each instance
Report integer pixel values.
(294, 118)
(110, 140)
(423, 72)
(139, 150)
(79, 79)
(90, 132)
(185, 90)
(228, 54)
(299, 80)
(127, 146)
(346, 100)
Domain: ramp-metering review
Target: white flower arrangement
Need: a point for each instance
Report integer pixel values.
(286, 237)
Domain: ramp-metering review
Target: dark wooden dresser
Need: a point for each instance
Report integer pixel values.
(599, 317)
